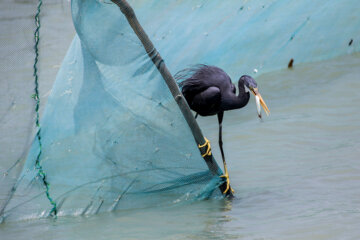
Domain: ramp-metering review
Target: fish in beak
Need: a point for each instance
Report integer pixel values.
(259, 101)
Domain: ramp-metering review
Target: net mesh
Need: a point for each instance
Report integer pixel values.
(112, 135)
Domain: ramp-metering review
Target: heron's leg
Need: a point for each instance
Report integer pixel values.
(220, 119)
(226, 174)
(196, 115)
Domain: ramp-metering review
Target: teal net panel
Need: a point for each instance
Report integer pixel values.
(112, 135)
(240, 36)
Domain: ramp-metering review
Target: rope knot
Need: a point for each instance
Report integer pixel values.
(208, 149)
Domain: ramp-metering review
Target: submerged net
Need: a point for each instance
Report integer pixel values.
(112, 135)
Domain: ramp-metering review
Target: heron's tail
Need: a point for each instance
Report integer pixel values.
(187, 73)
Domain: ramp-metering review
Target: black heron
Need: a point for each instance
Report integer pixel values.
(209, 91)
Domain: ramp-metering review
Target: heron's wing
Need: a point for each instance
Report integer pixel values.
(207, 102)
(193, 86)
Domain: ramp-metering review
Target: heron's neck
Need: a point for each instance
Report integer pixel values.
(231, 101)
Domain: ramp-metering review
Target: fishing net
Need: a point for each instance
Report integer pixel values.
(112, 136)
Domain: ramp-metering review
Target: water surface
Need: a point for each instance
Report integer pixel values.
(296, 173)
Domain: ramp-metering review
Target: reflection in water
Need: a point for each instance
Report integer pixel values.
(215, 222)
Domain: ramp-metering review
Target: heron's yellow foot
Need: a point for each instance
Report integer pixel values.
(226, 175)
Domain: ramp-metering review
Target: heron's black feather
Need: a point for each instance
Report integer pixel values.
(208, 90)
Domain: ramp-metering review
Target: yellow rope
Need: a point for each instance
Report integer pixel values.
(208, 150)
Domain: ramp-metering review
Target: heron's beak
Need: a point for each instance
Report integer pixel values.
(260, 101)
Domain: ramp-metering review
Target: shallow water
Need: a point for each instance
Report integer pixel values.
(296, 173)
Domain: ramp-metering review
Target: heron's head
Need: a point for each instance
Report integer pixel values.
(251, 86)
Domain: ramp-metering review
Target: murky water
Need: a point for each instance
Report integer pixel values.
(296, 173)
